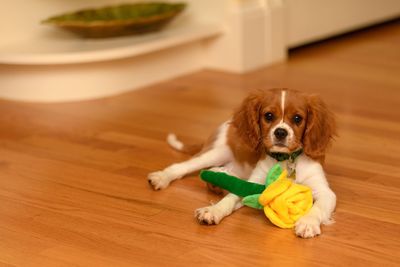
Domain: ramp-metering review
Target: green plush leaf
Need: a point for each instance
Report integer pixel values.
(252, 201)
(273, 174)
(232, 184)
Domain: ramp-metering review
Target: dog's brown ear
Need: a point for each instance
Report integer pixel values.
(246, 120)
(320, 128)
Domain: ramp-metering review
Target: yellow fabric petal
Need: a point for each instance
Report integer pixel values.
(294, 209)
(295, 217)
(297, 197)
(293, 190)
(304, 203)
(273, 190)
(291, 201)
(283, 175)
(274, 218)
(280, 207)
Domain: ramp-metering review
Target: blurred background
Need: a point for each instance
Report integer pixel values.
(45, 63)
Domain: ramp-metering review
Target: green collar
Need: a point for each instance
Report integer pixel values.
(286, 156)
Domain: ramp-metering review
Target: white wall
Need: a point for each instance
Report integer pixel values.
(311, 20)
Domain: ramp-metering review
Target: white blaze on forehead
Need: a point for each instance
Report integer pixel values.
(290, 137)
(283, 98)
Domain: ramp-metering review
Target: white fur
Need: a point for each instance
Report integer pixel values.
(215, 213)
(283, 99)
(173, 141)
(259, 174)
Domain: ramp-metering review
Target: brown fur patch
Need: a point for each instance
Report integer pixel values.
(320, 128)
(241, 151)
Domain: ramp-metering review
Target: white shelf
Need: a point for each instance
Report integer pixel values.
(58, 47)
(42, 63)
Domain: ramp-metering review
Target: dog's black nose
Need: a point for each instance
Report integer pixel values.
(280, 133)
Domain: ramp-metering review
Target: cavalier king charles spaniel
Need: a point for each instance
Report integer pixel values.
(270, 126)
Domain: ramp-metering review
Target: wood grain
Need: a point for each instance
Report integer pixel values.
(73, 187)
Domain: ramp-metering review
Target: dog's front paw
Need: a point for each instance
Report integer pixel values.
(307, 227)
(158, 180)
(208, 215)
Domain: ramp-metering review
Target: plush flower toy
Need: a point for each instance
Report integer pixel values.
(283, 201)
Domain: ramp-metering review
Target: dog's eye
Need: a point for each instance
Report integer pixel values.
(269, 116)
(297, 119)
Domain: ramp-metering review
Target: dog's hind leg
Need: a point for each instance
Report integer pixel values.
(217, 156)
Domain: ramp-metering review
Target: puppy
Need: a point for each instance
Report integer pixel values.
(270, 126)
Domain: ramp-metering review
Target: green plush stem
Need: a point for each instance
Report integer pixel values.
(232, 184)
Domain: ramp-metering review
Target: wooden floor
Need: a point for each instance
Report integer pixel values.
(73, 189)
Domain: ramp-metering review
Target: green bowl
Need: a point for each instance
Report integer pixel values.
(120, 20)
